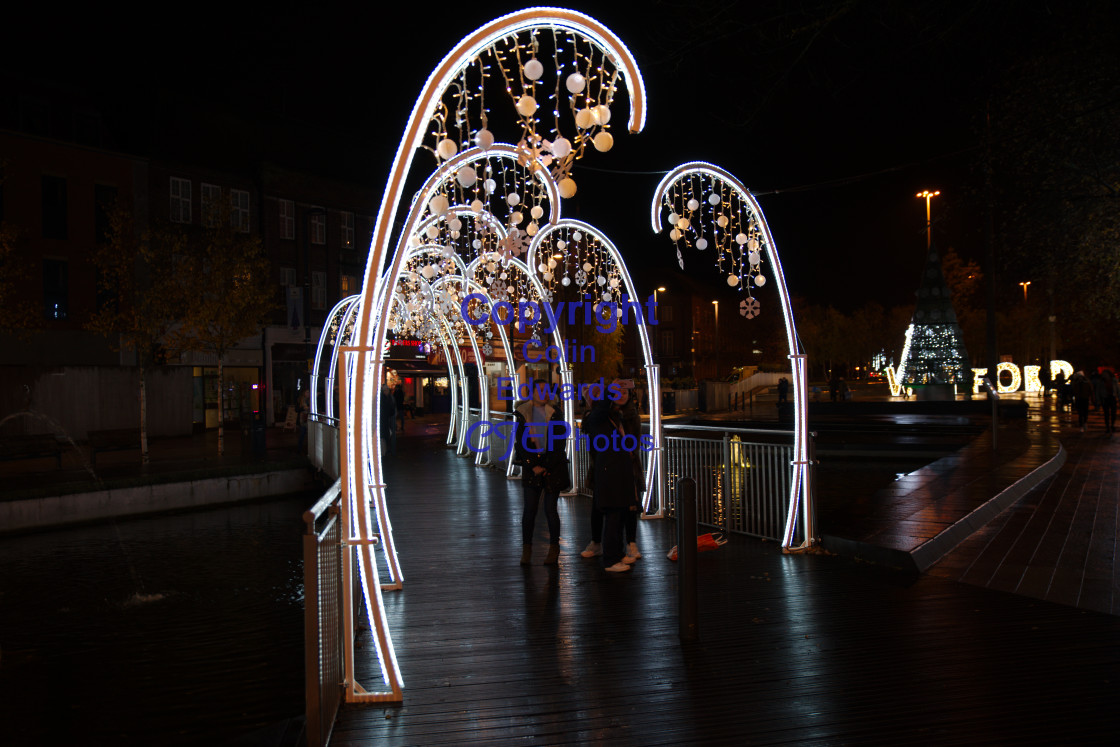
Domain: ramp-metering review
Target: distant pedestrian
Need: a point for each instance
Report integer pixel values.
(398, 402)
(1082, 392)
(1108, 392)
(387, 425)
(303, 407)
(783, 390)
(544, 470)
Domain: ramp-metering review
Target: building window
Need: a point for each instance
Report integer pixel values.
(211, 205)
(348, 231)
(664, 313)
(239, 210)
(180, 200)
(54, 208)
(287, 276)
(287, 219)
(318, 290)
(349, 285)
(317, 226)
(665, 347)
(56, 288)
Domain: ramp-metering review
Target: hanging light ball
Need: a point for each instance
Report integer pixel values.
(534, 69)
(447, 148)
(601, 280)
(466, 177)
(673, 218)
(454, 235)
(428, 271)
(542, 267)
(526, 105)
(438, 205)
(584, 119)
(753, 258)
(561, 245)
(683, 224)
(675, 234)
(455, 224)
(484, 138)
(536, 211)
(491, 267)
(561, 147)
(547, 276)
(713, 199)
(760, 280)
(512, 199)
(516, 217)
(701, 244)
(740, 239)
(576, 236)
(477, 243)
(693, 204)
(587, 267)
(575, 83)
(490, 185)
(433, 232)
(567, 187)
(732, 280)
(477, 206)
(551, 263)
(603, 142)
(606, 295)
(614, 282)
(722, 221)
(566, 281)
(752, 244)
(532, 228)
(602, 114)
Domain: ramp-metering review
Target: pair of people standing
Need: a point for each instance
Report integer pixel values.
(616, 480)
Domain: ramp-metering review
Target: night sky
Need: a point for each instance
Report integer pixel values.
(835, 114)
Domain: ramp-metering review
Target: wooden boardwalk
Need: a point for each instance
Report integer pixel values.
(801, 649)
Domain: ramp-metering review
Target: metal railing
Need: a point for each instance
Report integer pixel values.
(742, 486)
(322, 615)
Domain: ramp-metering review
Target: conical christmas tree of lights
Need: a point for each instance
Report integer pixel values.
(934, 350)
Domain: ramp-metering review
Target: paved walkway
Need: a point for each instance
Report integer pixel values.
(806, 649)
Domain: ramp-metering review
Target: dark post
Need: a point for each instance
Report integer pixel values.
(688, 629)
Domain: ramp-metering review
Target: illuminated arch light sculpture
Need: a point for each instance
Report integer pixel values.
(604, 63)
(601, 272)
(710, 208)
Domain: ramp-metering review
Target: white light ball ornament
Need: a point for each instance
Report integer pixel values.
(438, 205)
(536, 211)
(701, 244)
(713, 199)
(513, 199)
(484, 138)
(566, 281)
(587, 267)
(732, 280)
(575, 83)
(526, 106)
(567, 187)
(490, 185)
(760, 280)
(753, 258)
(534, 69)
(603, 142)
(673, 218)
(477, 206)
(601, 114)
(447, 148)
(741, 239)
(694, 205)
(584, 119)
(466, 177)
(561, 147)
(722, 221)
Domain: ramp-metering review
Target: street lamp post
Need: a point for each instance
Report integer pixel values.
(1025, 286)
(929, 196)
(717, 339)
(656, 342)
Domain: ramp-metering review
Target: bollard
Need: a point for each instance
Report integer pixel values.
(688, 628)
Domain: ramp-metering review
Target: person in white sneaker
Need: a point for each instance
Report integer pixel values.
(615, 473)
(544, 471)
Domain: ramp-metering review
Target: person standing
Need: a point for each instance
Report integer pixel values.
(388, 421)
(303, 407)
(398, 403)
(544, 470)
(1082, 397)
(783, 390)
(1108, 393)
(616, 475)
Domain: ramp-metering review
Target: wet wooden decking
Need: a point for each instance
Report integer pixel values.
(805, 649)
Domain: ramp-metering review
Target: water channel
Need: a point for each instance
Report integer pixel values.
(175, 629)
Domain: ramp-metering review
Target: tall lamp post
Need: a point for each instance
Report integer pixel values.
(1025, 286)
(929, 226)
(656, 342)
(717, 339)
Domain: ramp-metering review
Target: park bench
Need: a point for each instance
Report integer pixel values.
(118, 439)
(31, 447)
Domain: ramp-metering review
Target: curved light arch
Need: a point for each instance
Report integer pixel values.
(800, 494)
(370, 332)
(653, 465)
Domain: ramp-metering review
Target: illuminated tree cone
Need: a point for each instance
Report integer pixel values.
(935, 351)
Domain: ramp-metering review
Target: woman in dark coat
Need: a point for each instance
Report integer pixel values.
(544, 471)
(616, 474)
